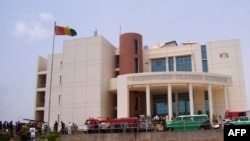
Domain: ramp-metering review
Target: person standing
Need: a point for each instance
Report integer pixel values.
(63, 130)
(166, 118)
(32, 133)
(56, 126)
(10, 125)
(220, 121)
(24, 132)
(1, 126)
(69, 128)
(5, 126)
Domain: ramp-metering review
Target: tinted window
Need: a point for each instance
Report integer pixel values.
(171, 64)
(198, 118)
(177, 119)
(158, 65)
(187, 118)
(184, 63)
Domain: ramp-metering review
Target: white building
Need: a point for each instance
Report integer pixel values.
(92, 78)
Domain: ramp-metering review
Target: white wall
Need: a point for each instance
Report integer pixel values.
(224, 57)
(87, 65)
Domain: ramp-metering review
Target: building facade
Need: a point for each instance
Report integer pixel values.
(93, 78)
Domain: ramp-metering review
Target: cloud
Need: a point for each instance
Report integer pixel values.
(33, 28)
(46, 16)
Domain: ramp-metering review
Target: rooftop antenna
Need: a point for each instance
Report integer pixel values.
(95, 32)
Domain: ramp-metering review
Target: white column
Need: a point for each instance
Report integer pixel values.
(122, 97)
(167, 69)
(174, 62)
(170, 110)
(148, 100)
(210, 99)
(226, 97)
(191, 98)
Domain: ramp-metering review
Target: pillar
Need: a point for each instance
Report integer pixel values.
(210, 97)
(148, 100)
(122, 97)
(191, 98)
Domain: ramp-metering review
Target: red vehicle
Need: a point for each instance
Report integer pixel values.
(113, 125)
(234, 114)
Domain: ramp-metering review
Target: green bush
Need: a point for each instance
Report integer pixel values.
(4, 136)
(50, 136)
(58, 139)
(41, 136)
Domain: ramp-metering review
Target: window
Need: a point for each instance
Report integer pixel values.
(160, 104)
(204, 66)
(117, 60)
(200, 118)
(136, 46)
(158, 65)
(183, 104)
(187, 118)
(203, 52)
(206, 102)
(136, 65)
(136, 106)
(171, 64)
(204, 58)
(183, 63)
(178, 119)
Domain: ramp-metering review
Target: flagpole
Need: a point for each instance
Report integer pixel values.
(51, 73)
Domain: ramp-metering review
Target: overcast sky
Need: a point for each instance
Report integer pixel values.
(27, 32)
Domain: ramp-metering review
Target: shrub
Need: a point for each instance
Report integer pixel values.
(4, 136)
(50, 136)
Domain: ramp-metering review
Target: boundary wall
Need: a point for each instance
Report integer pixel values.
(202, 135)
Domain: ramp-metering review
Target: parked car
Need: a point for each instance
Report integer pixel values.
(240, 121)
(189, 122)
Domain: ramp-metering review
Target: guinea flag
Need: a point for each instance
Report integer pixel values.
(60, 30)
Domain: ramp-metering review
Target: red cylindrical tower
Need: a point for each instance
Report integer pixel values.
(130, 53)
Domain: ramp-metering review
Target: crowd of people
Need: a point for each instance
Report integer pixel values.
(33, 128)
(23, 130)
(7, 126)
(69, 128)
